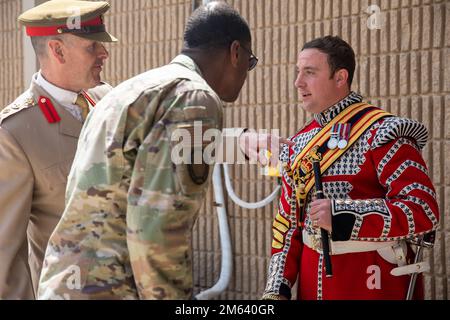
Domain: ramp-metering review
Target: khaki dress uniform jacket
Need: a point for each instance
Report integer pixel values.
(35, 160)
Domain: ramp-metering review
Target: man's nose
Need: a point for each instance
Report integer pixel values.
(103, 53)
(299, 82)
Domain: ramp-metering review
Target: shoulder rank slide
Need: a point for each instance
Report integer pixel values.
(48, 110)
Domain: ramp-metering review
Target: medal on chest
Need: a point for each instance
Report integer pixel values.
(339, 135)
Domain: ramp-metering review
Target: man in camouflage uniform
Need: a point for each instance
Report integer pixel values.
(126, 230)
(39, 133)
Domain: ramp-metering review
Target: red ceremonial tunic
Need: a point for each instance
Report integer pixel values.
(381, 195)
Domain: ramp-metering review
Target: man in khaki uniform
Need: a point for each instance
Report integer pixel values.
(39, 133)
(127, 227)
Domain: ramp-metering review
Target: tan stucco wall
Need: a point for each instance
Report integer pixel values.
(11, 56)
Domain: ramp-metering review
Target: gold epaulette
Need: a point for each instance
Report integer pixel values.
(16, 107)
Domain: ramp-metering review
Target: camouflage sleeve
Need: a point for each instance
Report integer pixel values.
(16, 190)
(165, 194)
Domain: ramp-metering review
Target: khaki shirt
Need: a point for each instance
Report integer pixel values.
(35, 159)
(127, 227)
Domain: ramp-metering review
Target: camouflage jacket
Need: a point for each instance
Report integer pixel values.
(126, 229)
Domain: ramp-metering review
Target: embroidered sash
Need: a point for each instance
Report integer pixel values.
(361, 116)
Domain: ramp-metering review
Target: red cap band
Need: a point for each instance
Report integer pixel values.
(53, 30)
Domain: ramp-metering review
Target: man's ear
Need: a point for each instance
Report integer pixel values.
(341, 77)
(234, 53)
(56, 50)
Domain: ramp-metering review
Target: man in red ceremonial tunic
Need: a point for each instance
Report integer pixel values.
(377, 190)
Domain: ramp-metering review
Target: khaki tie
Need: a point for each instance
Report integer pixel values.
(84, 106)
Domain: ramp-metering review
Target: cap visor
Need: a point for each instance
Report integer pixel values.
(99, 36)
